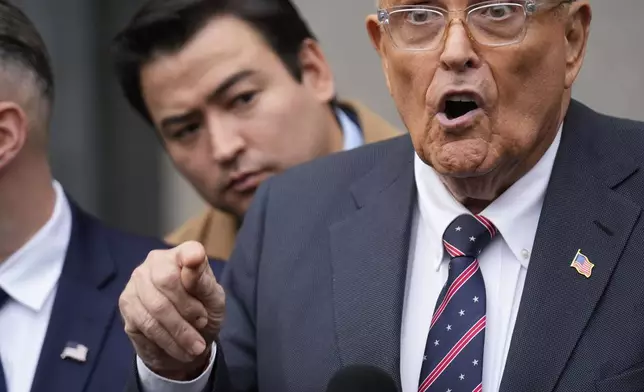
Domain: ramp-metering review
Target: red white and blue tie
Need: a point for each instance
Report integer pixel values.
(453, 359)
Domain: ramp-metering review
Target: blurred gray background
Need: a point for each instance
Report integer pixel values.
(111, 163)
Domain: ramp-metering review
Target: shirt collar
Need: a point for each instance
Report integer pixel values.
(352, 134)
(31, 273)
(515, 213)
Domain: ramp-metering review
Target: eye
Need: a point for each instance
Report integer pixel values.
(419, 17)
(186, 131)
(499, 12)
(242, 100)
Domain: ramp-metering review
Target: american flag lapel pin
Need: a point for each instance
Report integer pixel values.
(75, 351)
(582, 264)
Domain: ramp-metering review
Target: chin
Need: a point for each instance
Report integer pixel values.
(463, 158)
(477, 187)
(466, 174)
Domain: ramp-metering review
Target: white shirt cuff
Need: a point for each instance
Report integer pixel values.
(151, 382)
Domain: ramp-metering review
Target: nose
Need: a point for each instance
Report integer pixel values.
(226, 141)
(458, 52)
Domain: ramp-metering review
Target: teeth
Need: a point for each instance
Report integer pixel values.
(461, 98)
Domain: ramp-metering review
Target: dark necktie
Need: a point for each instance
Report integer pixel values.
(453, 360)
(3, 383)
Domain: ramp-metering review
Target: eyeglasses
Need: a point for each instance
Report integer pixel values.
(489, 23)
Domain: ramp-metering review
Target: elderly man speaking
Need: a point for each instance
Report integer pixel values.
(497, 247)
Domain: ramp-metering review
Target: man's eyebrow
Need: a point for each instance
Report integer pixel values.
(229, 82)
(178, 119)
(217, 94)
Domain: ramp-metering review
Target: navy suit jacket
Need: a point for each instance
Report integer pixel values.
(317, 279)
(97, 267)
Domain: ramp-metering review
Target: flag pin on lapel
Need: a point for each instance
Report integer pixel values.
(582, 264)
(75, 351)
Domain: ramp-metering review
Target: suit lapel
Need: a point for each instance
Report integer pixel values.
(557, 302)
(369, 251)
(81, 313)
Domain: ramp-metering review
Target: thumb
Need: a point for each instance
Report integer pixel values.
(196, 275)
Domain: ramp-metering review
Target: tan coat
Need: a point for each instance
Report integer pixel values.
(217, 230)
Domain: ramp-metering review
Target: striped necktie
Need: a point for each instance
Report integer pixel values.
(453, 359)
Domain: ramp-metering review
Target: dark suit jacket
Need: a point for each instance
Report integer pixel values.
(98, 265)
(318, 276)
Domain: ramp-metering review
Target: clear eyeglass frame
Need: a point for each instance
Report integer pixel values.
(524, 9)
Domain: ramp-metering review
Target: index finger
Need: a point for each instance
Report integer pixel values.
(194, 264)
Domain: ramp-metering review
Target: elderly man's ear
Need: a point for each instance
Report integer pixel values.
(376, 34)
(577, 32)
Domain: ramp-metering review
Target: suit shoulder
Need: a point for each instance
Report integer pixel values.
(629, 128)
(630, 133)
(616, 134)
(340, 169)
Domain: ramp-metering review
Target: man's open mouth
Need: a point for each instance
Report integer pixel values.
(459, 105)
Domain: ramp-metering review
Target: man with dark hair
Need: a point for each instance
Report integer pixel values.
(238, 90)
(61, 270)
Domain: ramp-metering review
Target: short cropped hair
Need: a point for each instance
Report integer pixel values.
(21, 45)
(165, 26)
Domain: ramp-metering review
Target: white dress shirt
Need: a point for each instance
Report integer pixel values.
(151, 382)
(351, 132)
(30, 278)
(504, 264)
